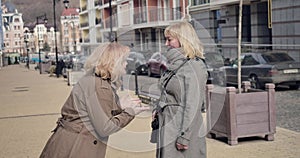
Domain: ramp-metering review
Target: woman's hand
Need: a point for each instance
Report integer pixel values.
(181, 147)
(133, 103)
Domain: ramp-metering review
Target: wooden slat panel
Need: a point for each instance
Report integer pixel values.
(253, 129)
(252, 108)
(252, 118)
(252, 97)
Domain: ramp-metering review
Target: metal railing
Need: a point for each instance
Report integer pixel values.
(156, 15)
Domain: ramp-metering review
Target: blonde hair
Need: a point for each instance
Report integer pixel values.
(108, 60)
(187, 37)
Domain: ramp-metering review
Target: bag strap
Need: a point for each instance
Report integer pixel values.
(173, 72)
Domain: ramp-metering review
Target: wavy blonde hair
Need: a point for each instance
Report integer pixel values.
(187, 37)
(108, 61)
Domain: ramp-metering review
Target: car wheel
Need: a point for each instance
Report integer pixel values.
(254, 83)
(149, 72)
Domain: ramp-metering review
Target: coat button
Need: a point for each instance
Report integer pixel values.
(95, 142)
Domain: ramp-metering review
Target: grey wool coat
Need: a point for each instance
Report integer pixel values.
(91, 113)
(181, 119)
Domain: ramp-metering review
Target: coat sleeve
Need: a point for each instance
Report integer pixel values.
(192, 99)
(99, 111)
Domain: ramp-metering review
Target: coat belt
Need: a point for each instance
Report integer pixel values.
(70, 126)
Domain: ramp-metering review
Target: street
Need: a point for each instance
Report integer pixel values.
(31, 103)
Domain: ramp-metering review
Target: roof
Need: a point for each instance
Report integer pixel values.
(70, 11)
(11, 8)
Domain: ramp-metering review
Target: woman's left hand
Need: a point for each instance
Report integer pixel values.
(181, 147)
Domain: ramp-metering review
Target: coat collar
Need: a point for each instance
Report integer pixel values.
(175, 57)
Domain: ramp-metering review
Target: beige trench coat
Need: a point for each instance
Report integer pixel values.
(181, 121)
(90, 114)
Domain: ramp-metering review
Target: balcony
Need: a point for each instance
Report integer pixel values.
(98, 2)
(83, 8)
(86, 40)
(98, 21)
(157, 15)
(107, 21)
(85, 24)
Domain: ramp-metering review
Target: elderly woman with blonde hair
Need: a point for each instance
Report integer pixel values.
(181, 131)
(93, 111)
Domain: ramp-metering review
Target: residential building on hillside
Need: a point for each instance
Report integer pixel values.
(41, 35)
(12, 31)
(70, 32)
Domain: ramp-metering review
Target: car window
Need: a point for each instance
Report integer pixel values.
(249, 60)
(277, 57)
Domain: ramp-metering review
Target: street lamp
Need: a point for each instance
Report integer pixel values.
(26, 40)
(44, 17)
(66, 2)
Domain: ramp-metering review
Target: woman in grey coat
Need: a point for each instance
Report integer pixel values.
(93, 110)
(181, 129)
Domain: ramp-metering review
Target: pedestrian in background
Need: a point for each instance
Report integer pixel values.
(59, 67)
(181, 131)
(93, 111)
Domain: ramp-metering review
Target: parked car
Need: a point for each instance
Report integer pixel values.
(266, 67)
(78, 62)
(157, 64)
(215, 62)
(136, 61)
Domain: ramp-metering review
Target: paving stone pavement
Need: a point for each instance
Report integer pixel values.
(30, 105)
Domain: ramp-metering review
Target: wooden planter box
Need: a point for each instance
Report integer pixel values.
(246, 114)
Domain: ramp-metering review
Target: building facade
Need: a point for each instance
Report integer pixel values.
(266, 25)
(70, 32)
(136, 23)
(13, 32)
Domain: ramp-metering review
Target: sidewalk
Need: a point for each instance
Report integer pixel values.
(30, 105)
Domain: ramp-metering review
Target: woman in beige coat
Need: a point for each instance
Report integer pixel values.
(181, 131)
(93, 110)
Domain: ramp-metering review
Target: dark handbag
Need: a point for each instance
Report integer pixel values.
(155, 127)
(155, 122)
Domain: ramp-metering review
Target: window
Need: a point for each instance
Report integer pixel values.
(249, 60)
(199, 2)
(277, 57)
(17, 20)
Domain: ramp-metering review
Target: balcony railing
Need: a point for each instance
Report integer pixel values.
(86, 40)
(86, 24)
(98, 2)
(83, 8)
(99, 39)
(157, 14)
(98, 21)
(114, 21)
